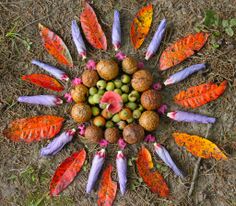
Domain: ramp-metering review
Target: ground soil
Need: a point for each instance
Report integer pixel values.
(25, 178)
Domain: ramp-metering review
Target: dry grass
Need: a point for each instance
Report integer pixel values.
(24, 178)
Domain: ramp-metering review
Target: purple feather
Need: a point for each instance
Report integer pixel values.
(181, 116)
(116, 31)
(58, 143)
(183, 74)
(165, 156)
(46, 100)
(52, 70)
(97, 164)
(121, 164)
(156, 40)
(78, 39)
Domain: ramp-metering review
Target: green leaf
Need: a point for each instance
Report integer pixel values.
(225, 23)
(229, 31)
(210, 18)
(232, 22)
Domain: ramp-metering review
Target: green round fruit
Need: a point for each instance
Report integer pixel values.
(95, 111)
(131, 105)
(130, 120)
(125, 98)
(93, 90)
(101, 91)
(125, 88)
(118, 83)
(109, 124)
(116, 118)
(90, 100)
(132, 98)
(125, 79)
(101, 84)
(103, 106)
(140, 108)
(110, 86)
(96, 98)
(136, 114)
(121, 125)
(118, 91)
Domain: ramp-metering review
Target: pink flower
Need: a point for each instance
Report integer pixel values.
(76, 81)
(91, 64)
(82, 128)
(157, 86)
(162, 109)
(68, 97)
(140, 65)
(103, 143)
(150, 138)
(121, 143)
(120, 56)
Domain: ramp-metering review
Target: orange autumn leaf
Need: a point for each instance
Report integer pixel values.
(107, 189)
(33, 128)
(141, 25)
(199, 146)
(199, 95)
(153, 179)
(182, 49)
(44, 81)
(92, 29)
(55, 46)
(66, 172)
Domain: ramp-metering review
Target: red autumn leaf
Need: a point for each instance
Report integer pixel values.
(182, 49)
(153, 179)
(43, 80)
(141, 25)
(92, 29)
(107, 188)
(33, 128)
(199, 146)
(66, 172)
(55, 46)
(199, 95)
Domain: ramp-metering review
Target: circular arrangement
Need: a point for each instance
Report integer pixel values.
(117, 97)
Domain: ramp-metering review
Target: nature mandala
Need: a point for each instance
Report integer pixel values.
(115, 101)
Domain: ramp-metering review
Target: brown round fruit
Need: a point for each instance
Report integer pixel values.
(81, 112)
(93, 134)
(129, 65)
(149, 120)
(79, 93)
(90, 78)
(112, 135)
(151, 99)
(133, 133)
(99, 121)
(141, 80)
(106, 114)
(107, 69)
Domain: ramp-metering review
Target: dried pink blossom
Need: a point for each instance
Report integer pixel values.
(81, 129)
(91, 64)
(68, 97)
(103, 143)
(157, 86)
(76, 81)
(120, 56)
(121, 143)
(162, 109)
(150, 138)
(140, 65)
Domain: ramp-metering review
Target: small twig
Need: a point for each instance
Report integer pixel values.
(197, 165)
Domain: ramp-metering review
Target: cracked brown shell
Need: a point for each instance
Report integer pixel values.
(79, 93)
(133, 133)
(151, 99)
(129, 65)
(141, 80)
(149, 120)
(107, 69)
(90, 78)
(81, 112)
